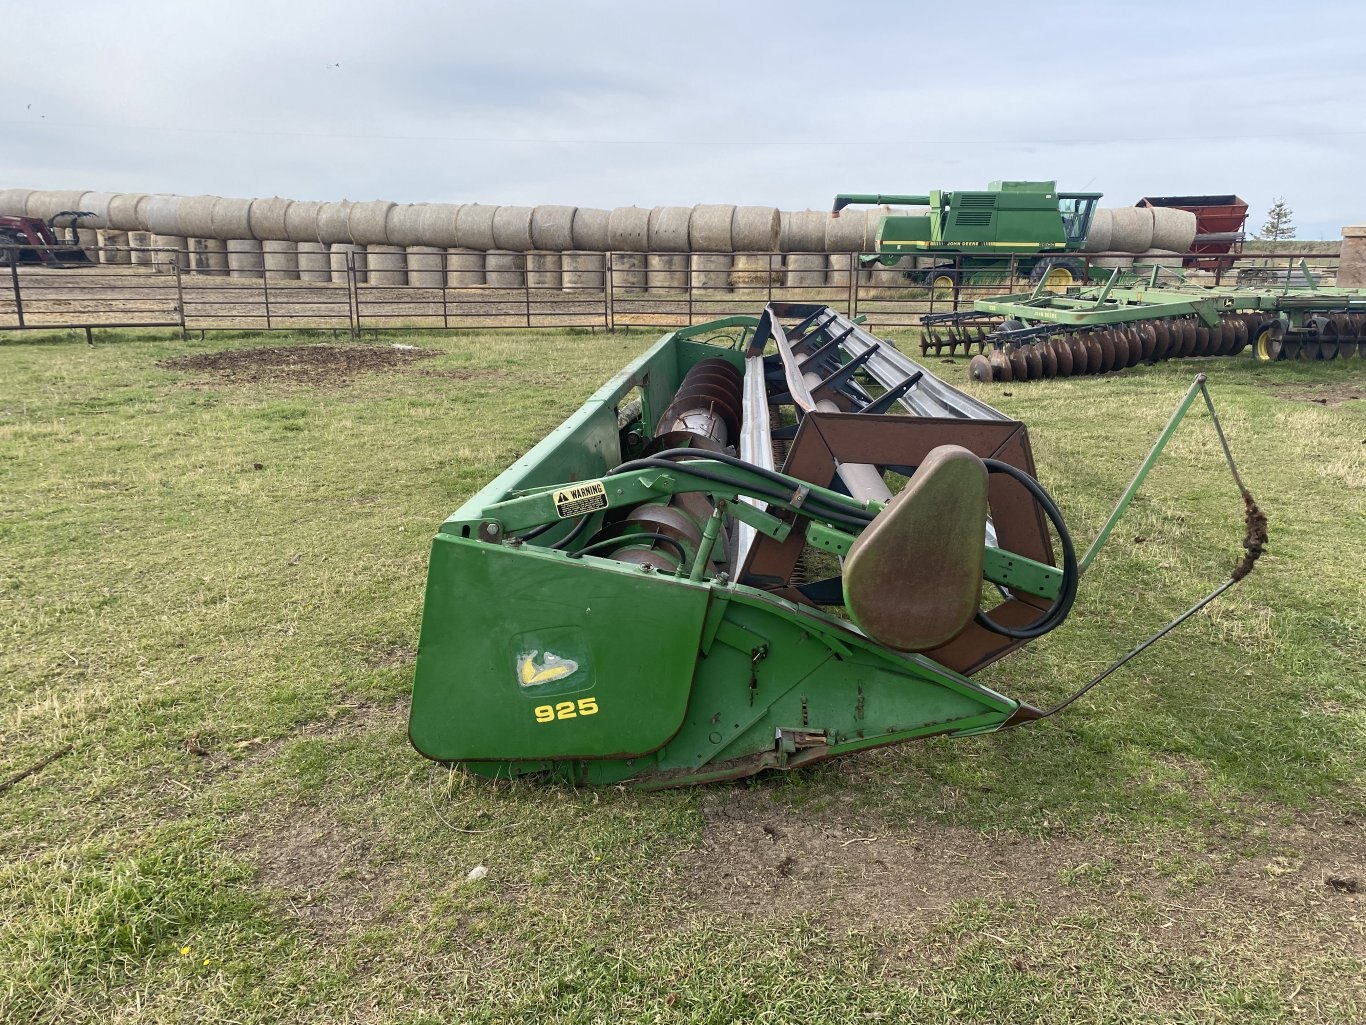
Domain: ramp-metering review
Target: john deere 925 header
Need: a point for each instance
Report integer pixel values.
(646, 596)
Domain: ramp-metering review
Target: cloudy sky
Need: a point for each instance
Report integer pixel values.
(648, 103)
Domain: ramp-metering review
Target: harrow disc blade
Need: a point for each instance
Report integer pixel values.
(1107, 352)
(1267, 343)
(1147, 337)
(1019, 366)
(1001, 367)
(1239, 335)
(1162, 343)
(1201, 341)
(1120, 340)
(1033, 361)
(1062, 353)
(980, 369)
(1135, 344)
(1049, 358)
(1095, 355)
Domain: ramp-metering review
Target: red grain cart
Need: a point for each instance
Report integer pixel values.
(1219, 222)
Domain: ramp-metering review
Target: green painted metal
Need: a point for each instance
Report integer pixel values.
(540, 661)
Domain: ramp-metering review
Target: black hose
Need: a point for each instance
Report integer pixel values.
(625, 540)
(1071, 576)
(573, 535)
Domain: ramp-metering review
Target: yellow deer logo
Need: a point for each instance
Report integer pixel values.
(529, 674)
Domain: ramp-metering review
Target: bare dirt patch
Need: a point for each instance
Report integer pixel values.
(318, 365)
(759, 859)
(1323, 394)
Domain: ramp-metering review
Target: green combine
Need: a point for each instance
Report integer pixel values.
(1029, 226)
(705, 572)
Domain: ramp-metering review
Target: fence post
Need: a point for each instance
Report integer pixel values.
(610, 291)
(180, 302)
(18, 297)
(265, 285)
(352, 295)
(690, 267)
(526, 289)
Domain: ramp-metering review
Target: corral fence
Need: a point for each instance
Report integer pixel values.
(624, 289)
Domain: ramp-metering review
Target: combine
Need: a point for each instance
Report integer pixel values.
(708, 570)
(1030, 223)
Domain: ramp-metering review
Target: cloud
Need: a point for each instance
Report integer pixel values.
(605, 103)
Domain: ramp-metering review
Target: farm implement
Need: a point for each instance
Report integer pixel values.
(710, 570)
(1108, 327)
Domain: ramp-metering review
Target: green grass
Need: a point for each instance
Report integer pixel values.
(242, 834)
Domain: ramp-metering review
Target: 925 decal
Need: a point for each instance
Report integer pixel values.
(566, 710)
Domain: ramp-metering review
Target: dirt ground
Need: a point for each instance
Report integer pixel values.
(318, 365)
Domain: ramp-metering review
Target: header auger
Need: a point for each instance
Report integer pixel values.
(705, 573)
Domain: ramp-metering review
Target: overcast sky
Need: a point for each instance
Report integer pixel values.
(620, 103)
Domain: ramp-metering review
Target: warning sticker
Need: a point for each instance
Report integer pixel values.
(580, 499)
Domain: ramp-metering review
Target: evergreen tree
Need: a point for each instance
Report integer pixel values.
(1279, 225)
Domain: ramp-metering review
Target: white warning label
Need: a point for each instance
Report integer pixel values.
(580, 499)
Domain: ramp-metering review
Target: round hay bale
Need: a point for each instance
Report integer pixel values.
(474, 226)
(280, 260)
(386, 265)
(755, 270)
(668, 230)
(301, 221)
(628, 230)
(113, 247)
(503, 269)
(872, 226)
(14, 202)
(839, 269)
(123, 211)
(591, 229)
(803, 231)
(1111, 260)
(512, 228)
(177, 256)
(544, 270)
(754, 229)
(209, 256)
(426, 266)
(341, 256)
(883, 279)
(583, 271)
(368, 226)
(629, 272)
(331, 222)
(403, 226)
(96, 203)
(231, 220)
(806, 270)
(1158, 258)
(667, 272)
(464, 268)
(437, 225)
(1131, 229)
(709, 228)
(313, 262)
(194, 216)
(160, 215)
(844, 234)
(267, 218)
(1102, 228)
(244, 256)
(45, 203)
(552, 228)
(1173, 230)
(709, 272)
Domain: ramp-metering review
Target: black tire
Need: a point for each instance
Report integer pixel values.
(1055, 265)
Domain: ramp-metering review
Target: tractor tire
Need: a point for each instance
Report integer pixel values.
(1059, 272)
(9, 248)
(942, 283)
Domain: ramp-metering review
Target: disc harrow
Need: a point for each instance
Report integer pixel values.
(1104, 329)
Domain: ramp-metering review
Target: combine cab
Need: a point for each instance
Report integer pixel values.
(29, 240)
(705, 572)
